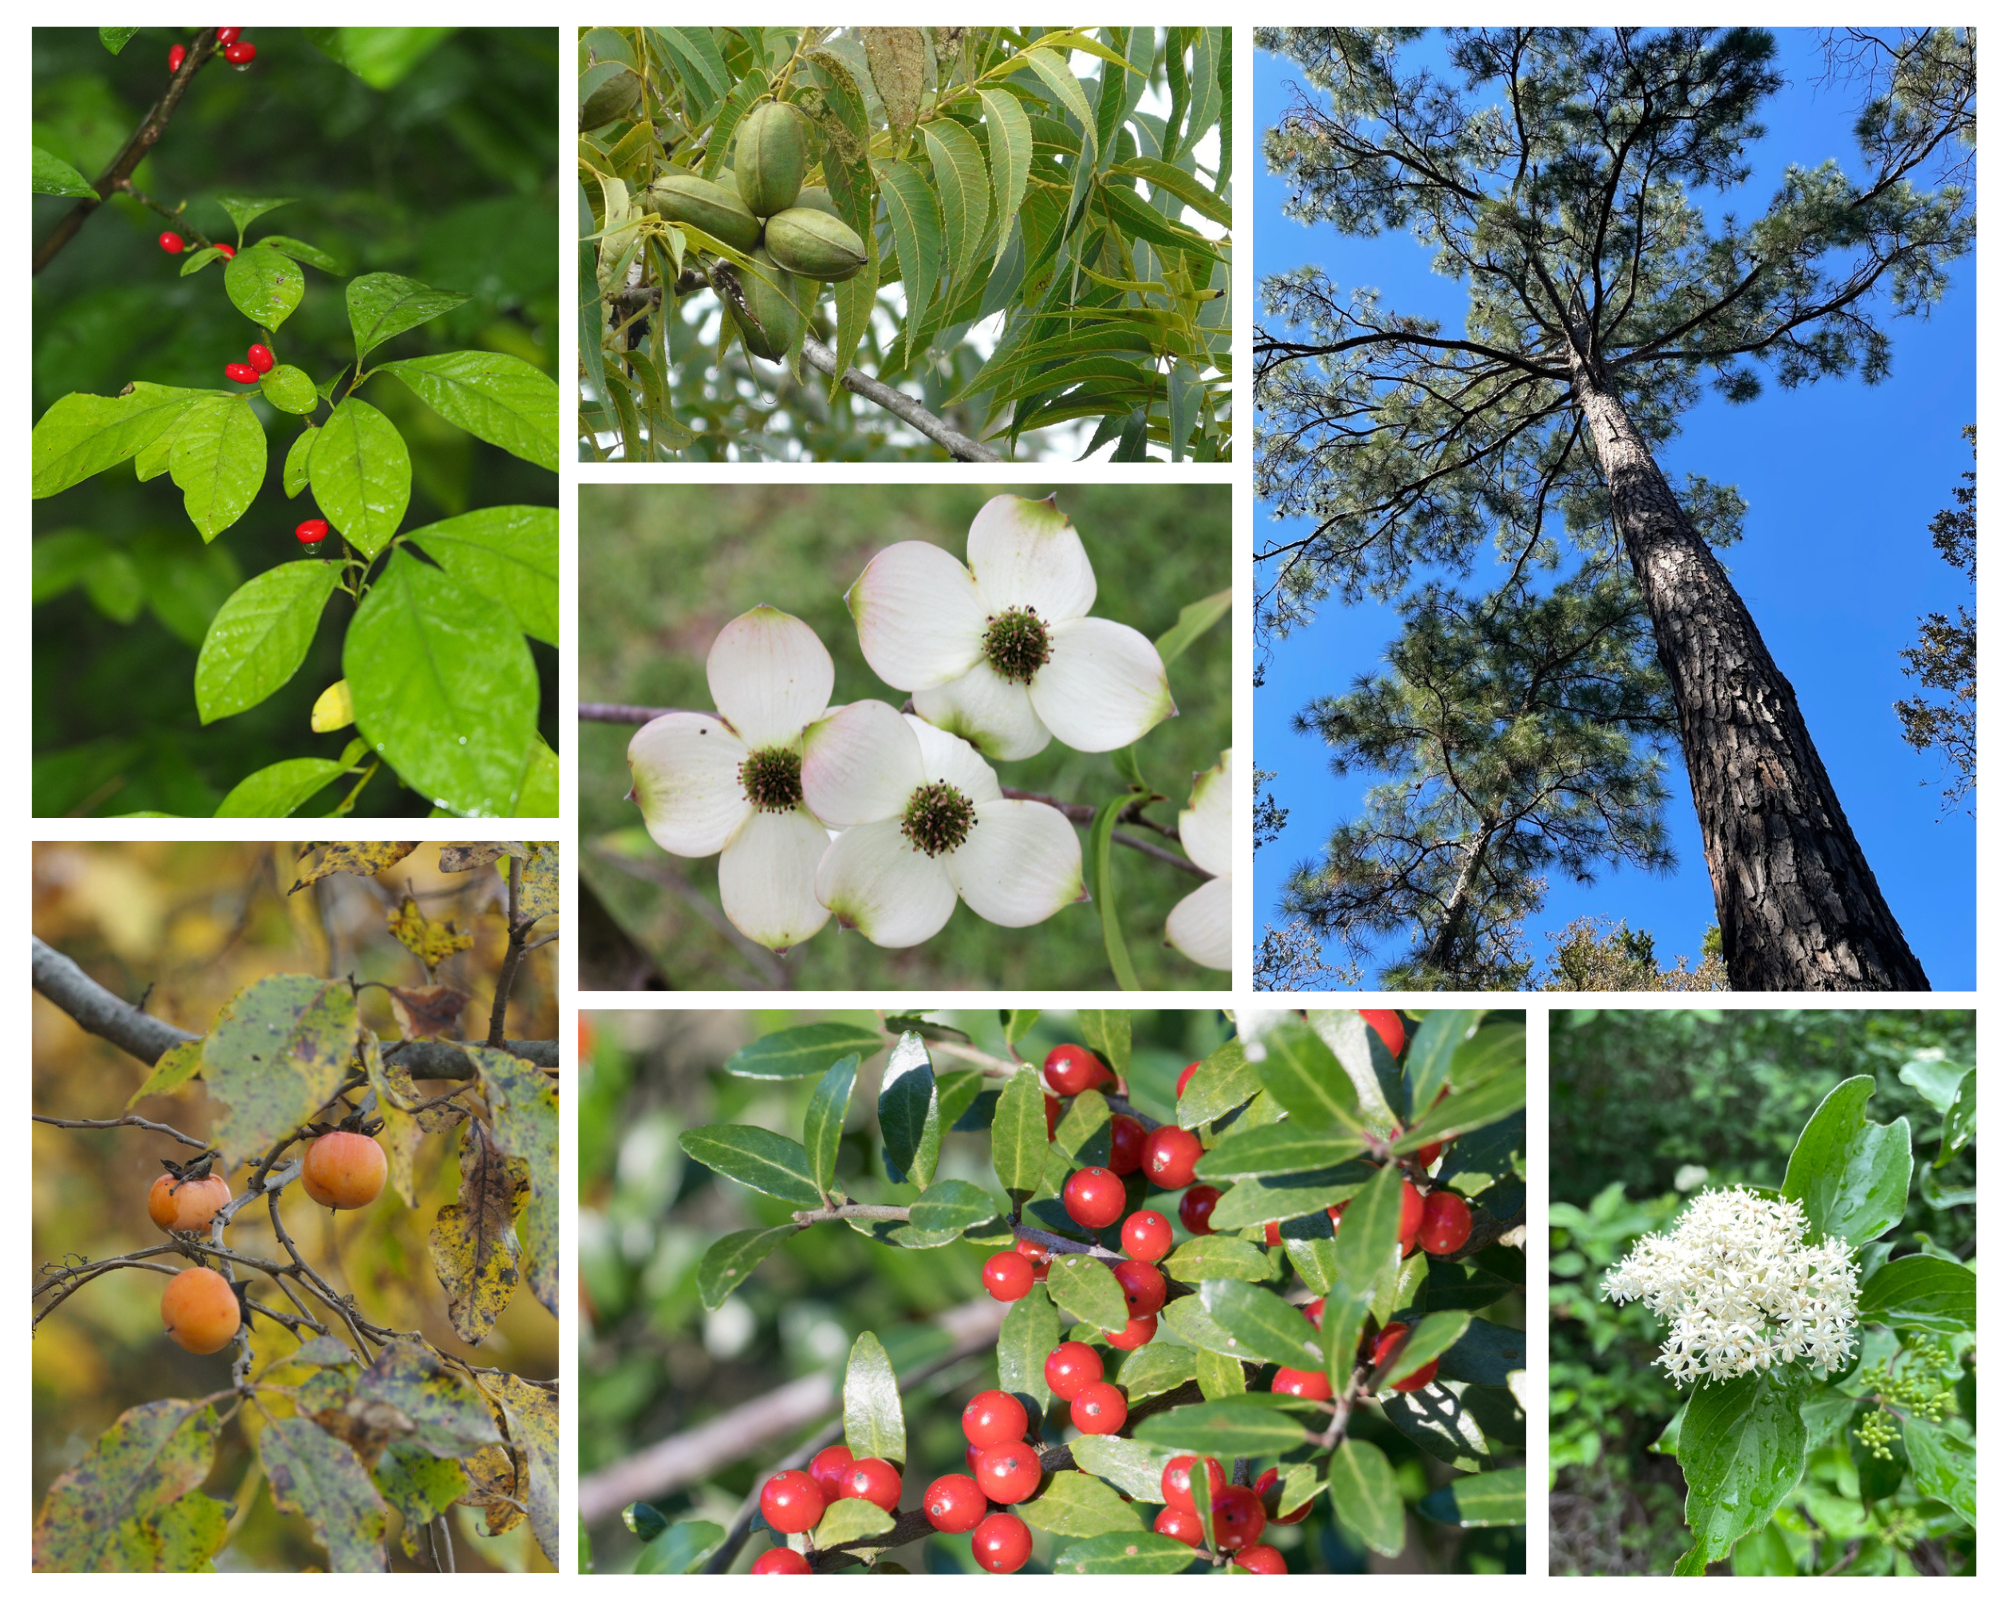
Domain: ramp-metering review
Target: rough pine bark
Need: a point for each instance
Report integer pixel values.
(1798, 907)
(1443, 950)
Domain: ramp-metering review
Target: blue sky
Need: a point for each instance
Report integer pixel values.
(1841, 480)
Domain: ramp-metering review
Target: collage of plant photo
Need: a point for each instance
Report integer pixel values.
(1106, 984)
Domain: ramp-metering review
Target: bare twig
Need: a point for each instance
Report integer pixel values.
(124, 1122)
(599, 711)
(517, 938)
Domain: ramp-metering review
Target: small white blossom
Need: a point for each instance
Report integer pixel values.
(1741, 1289)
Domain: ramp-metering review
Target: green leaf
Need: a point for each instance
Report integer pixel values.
(115, 39)
(281, 788)
(1743, 1451)
(1487, 1158)
(1943, 1465)
(1851, 1175)
(314, 1475)
(732, 1258)
(198, 259)
(1218, 1376)
(914, 224)
(381, 305)
(1935, 1079)
(499, 398)
(244, 210)
(1181, 185)
(1361, 1487)
(1114, 1554)
(1265, 1327)
(277, 1052)
(1961, 1120)
(756, 1158)
(1491, 1100)
(1030, 1330)
(257, 640)
(1368, 1248)
(298, 462)
(1496, 1499)
(177, 1066)
(1109, 1033)
(444, 689)
(681, 1549)
(1256, 1201)
(1272, 1151)
(1084, 1134)
(1217, 1256)
(509, 554)
(1197, 617)
(144, 1462)
(1101, 880)
(826, 1117)
(953, 1205)
(1303, 1077)
(82, 434)
(871, 1407)
(1083, 1286)
(1485, 1353)
(851, 1521)
(803, 1051)
(1921, 1291)
(289, 389)
(379, 57)
(1077, 1506)
(1342, 1319)
(1463, 1426)
(1246, 1426)
(1427, 1064)
(1428, 1340)
(1010, 149)
(1053, 69)
(299, 250)
(537, 793)
(963, 189)
(908, 1111)
(1221, 1083)
(1020, 1135)
(53, 175)
(265, 286)
(360, 474)
(1126, 1464)
(218, 461)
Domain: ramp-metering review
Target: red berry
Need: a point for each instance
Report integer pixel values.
(1262, 1558)
(1314, 1310)
(1146, 1236)
(782, 1559)
(240, 54)
(827, 1468)
(1388, 1028)
(1177, 1524)
(1271, 1234)
(1138, 1331)
(228, 251)
(1051, 1112)
(1037, 1255)
(972, 1455)
(1333, 1212)
(1145, 1290)
(312, 530)
(1447, 1223)
(1427, 1155)
(1271, 1492)
(1071, 1069)
(872, 1479)
(1177, 1481)
(1008, 1275)
(1169, 1157)
(1002, 1543)
(1413, 1216)
(237, 372)
(1388, 1343)
(1238, 1516)
(1094, 1197)
(995, 1417)
(175, 57)
(261, 358)
(228, 35)
(1071, 1368)
(1197, 1206)
(172, 243)
(1009, 1472)
(1306, 1385)
(1180, 1083)
(953, 1504)
(792, 1502)
(1099, 1409)
(1128, 1143)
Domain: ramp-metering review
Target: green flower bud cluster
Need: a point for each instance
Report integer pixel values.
(1919, 1388)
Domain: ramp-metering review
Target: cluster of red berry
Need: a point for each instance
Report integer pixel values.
(174, 244)
(236, 50)
(1239, 1514)
(253, 366)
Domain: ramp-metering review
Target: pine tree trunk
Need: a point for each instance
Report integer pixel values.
(1443, 954)
(1796, 901)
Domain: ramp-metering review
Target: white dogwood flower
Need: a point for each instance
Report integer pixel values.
(1006, 654)
(1198, 927)
(731, 783)
(923, 825)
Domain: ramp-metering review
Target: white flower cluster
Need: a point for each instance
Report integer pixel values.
(1741, 1288)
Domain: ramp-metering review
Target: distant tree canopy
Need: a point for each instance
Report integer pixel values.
(1946, 654)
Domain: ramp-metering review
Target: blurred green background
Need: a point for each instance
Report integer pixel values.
(652, 1364)
(1646, 1108)
(445, 173)
(664, 567)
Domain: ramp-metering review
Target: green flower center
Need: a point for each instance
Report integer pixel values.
(771, 779)
(937, 819)
(1017, 645)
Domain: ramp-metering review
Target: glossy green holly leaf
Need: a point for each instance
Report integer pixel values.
(1277, 1148)
(1361, 1487)
(499, 398)
(1155, 1368)
(1109, 1033)
(299, 250)
(952, 1204)
(218, 460)
(1078, 1506)
(257, 640)
(244, 210)
(645, 1523)
(443, 686)
(1248, 1425)
(360, 473)
(1193, 1326)
(1266, 1328)
(1922, 1291)
(279, 789)
(1498, 1096)
(1427, 1062)
(1218, 1376)
(847, 1522)
(755, 1157)
(265, 286)
(1083, 1286)
(1304, 1077)
(1030, 1330)
(1084, 1134)
(1128, 1465)
(871, 1404)
(1463, 1426)
(82, 434)
(1368, 1250)
(1125, 1554)
(1216, 1256)
(1428, 1340)
(53, 175)
(803, 1051)
(1487, 1157)
(298, 462)
(1496, 1499)
(381, 305)
(1221, 1083)
(1485, 1353)
(907, 1108)
(1943, 1465)
(732, 1258)
(289, 389)
(826, 1117)
(507, 553)
(678, 1549)
(1252, 1202)
(1742, 1451)
(1851, 1175)
(1020, 1135)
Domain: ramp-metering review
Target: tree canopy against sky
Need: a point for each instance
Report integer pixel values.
(1556, 175)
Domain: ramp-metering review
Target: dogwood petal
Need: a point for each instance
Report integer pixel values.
(1020, 865)
(770, 676)
(987, 711)
(875, 882)
(1025, 553)
(920, 617)
(949, 759)
(766, 873)
(1199, 926)
(1104, 687)
(1205, 824)
(860, 765)
(684, 778)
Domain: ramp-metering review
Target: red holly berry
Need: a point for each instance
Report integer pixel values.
(172, 243)
(1002, 1543)
(1270, 1491)
(1009, 1275)
(1261, 1558)
(1139, 1331)
(240, 54)
(1180, 1083)
(261, 358)
(1099, 1409)
(1052, 1112)
(1146, 1236)
(228, 251)
(1388, 1026)
(1071, 1368)
(1177, 1524)
(1038, 1257)
(872, 1479)
(312, 530)
(1197, 1206)
(1094, 1197)
(783, 1559)
(1145, 1290)
(1128, 1144)
(953, 1503)
(1177, 1481)
(1314, 1310)
(1238, 1516)
(238, 372)
(792, 1502)
(1388, 1344)
(972, 1455)
(1271, 1234)
(1306, 1385)
(1413, 1217)
(1008, 1473)
(175, 57)
(1333, 1214)
(827, 1468)
(1447, 1223)
(995, 1417)
(1071, 1069)
(1169, 1157)
(228, 35)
